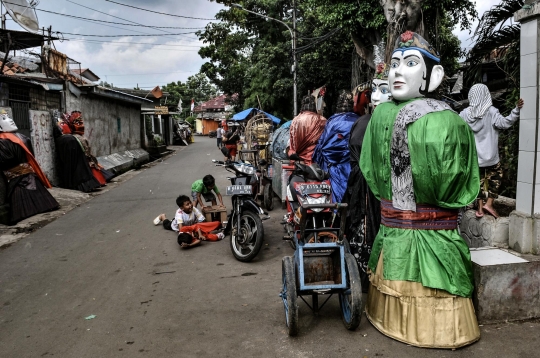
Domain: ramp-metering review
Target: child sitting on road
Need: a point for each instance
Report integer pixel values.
(186, 215)
(190, 236)
(204, 187)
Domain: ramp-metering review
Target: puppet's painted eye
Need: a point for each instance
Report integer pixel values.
(412, 63)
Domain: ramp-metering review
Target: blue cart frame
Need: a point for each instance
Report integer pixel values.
(321, 268)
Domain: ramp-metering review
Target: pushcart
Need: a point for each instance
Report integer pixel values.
(321, 268)
(258, 133)
(281, 171)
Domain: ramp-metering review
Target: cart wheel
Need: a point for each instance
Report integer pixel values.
(268, 197)
(350, 300)
(288, 295)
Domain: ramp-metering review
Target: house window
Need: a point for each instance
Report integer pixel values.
(119, 125)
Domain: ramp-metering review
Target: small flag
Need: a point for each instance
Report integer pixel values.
(156, 92)
(192, 104)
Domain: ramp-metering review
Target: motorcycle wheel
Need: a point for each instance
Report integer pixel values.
(246, 240)
(268, 197)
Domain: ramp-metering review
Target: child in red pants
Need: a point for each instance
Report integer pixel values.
(190, 236)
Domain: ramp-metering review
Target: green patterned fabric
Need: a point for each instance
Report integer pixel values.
(445, 173)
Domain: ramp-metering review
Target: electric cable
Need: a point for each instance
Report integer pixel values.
(101, 12)
(128, 42)
(129, 35)
(120, 23)
(161, 13)
(148, 74)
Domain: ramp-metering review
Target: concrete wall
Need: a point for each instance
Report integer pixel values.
(101, 115)
(41, 134)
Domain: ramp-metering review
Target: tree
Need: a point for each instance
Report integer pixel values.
(252, 57)
(105, 84)
(197, 87)
(495, 35)
(369, 21)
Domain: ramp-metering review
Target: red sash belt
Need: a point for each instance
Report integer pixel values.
(426, 217)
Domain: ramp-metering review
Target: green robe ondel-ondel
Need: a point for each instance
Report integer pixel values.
(445, 173)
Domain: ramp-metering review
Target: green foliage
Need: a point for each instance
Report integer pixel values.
(509, 149)
(252, 57)
(495, 33)
(351, 16)
(197, 87)
(105, 84)
(447, 44)
(191, 120)
(365, 21)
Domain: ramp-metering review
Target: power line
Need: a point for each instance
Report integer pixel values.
(115, 27)
(120, 23)
(128, 42)
(69, 33)
(101, 12)
(148, 74)
(161, 13)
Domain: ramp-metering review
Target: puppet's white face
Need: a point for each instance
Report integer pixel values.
(407, 72)
(380, 92)
(406, 76)
(7, 124)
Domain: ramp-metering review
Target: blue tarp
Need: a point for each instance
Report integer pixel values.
(332, 152)
(280, 140)
(240, 116)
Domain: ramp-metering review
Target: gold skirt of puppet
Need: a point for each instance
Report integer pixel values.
(418, 315)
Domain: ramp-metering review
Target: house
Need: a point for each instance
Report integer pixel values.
(157, 119)
(210, 113)
(35, 90)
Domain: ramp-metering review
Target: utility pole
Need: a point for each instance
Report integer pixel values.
(293, 44)
(294, 60)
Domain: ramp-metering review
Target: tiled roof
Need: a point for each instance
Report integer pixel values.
(213, 104)
(12, 68)
(87, 73)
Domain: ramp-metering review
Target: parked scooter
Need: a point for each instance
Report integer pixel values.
(308, 185)
(244, 223)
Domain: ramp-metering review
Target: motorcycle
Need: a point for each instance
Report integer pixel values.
(244, 223)
(308, 186)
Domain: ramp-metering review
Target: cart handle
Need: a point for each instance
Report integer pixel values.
(339, 206)
(342, 207)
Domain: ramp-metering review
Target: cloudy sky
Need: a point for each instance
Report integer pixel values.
(132, 57)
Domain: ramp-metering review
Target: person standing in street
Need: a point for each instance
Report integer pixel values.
(219, 136)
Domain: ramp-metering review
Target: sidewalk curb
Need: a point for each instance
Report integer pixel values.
(68, 200)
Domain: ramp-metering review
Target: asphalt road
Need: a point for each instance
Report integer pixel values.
(149, 298)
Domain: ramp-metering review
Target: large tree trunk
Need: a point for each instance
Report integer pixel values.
(402, 15)
(364, 42)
